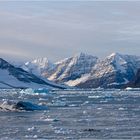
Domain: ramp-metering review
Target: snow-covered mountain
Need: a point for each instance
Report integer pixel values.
(87, 71)
(63, 71)
(13, 77)
(72, 68)
(114, 71)
(38, 66)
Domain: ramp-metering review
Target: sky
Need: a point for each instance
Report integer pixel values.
(59, 29)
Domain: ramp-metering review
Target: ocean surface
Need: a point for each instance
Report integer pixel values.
(69, 114)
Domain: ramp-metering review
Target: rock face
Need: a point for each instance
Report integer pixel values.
(13, 77)
(136, 81)
(112, 72)
(72, 68)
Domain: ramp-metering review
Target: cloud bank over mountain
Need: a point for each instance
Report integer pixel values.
(60, 29)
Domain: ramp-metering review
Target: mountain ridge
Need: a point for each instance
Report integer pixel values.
(87, 71)
(114, 70)
(16, 77)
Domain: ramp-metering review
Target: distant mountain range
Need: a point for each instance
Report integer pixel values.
(64, 71)
(87, 71)
(81, 70)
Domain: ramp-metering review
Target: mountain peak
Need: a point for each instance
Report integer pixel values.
(15, 77)
(113, 55)
(81, 54)
(73, 67)
(2, 60)
(41, 61)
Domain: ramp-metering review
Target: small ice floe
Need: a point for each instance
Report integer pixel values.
(58, 103)
(31, 136)
(121, 108)
(42, 103)
(42, 99)
(35, 136)
(20, 105)
(99, 108)
(51, 120)
(7, 105)
(132, 89)
(72, 105)
(62, 131)
(43, 91)
(31, 128)
(94, 97)
(64, 99)
(48, 119)
(84, 112)
(40, 91)
(128, 88)
(85, 103)
(27, 91)
(103, 101)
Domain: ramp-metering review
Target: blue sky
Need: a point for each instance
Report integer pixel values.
(60, 29)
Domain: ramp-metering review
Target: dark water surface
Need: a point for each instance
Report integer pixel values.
(71, 115)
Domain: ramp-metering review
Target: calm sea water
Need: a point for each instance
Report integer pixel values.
(70, 114)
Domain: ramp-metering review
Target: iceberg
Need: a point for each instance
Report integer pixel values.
(20, 106)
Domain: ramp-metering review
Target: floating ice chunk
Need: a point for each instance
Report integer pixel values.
(26, 136)
(35, 91)
(94, 97)
(41, 90)
(20, 105)
(7, 105)
(72, 105)
(35, 136)
(128, 88)
(84, 112)
(50, 120)
(99, 108)
(121, 108)
(31, 129)
(42, 99)
(58, 103)
(27, 91)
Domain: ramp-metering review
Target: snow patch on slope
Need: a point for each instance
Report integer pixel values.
(78, 80)
(118, 61)
(38, 66)
(73, 68)
(9, 81)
